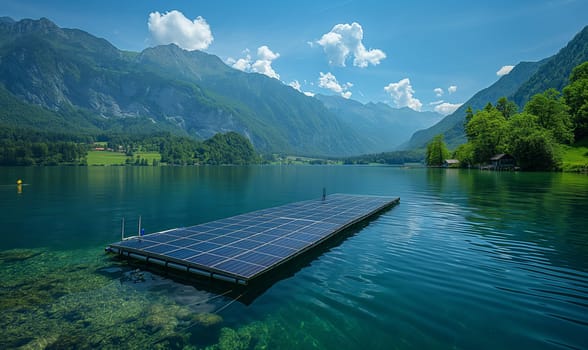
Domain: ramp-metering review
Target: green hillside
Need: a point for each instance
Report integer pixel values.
(525, 80)
(554, 73)
(384, 128)
(452, 125)
(70, 79)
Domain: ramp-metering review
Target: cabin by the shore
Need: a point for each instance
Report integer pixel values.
(503, 161)
(451, 163)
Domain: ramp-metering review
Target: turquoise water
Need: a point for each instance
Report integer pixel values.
(468, 259)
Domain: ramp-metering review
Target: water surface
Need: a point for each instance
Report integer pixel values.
(468, 259)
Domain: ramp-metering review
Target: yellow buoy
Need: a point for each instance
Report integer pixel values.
(19, 182)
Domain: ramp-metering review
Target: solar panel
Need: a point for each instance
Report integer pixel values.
(207, 259)
(183, 253)
(246, 245)
(160, 248)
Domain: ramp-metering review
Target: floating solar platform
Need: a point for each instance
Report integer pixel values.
(243, 247)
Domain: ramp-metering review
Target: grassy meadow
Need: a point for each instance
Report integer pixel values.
(575, 157)
(117, 158)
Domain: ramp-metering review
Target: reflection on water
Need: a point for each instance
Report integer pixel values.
(468, 259)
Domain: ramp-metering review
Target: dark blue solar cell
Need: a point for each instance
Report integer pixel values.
(237, 227)
(312, 231)
(204, 246)
(277, 232)
(224, 240)
(276, 250)
(255, 229)
(196, 229)
(291, 243)
(306, 237)
(221, 231)
(266, 225)
(180, 232)
(240, 234)
(263, 238)
(280, 221)
(325, 225)
(228, 251)
(206, 259)
(137, 243)
(246, 244)
(240, 268)
(202, 236)
(182, 253)
(259, 258)
(338, 219)
(295, 225)
(160, 249)
(183, 242)
(159, 237)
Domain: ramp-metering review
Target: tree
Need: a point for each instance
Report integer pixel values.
(469, 116)
(533, 146)
(506, 107)
(436, 151)
(485, 132)
(576, 97)
(465, 154)
(552, 113)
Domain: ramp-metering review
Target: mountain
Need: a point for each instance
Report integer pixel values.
(452, 125)
(383, 127)
(555, 71)
(525, 80)
(85, 83)
(282, 115)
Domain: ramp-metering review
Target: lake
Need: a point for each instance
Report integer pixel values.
(468, 259)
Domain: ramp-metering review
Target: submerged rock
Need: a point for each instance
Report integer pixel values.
(14, 255)
(207, 319)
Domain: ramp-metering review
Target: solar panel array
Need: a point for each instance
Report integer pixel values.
(247, 245)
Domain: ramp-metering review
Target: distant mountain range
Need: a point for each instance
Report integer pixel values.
(383, 127)
(66, 80)
(525, 80)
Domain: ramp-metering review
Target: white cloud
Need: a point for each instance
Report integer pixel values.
(296, 85)
(346, 94)
(243, 64)
(434, 103)
(402, 94)
(329, 81)
(446, 108)
(438, 92)
(174, 27)
(504, 70)
(452, 89)
(345, 40)
(265, 54)
(263, 64)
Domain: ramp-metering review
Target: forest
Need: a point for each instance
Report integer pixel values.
(535, 136)
(19, 146)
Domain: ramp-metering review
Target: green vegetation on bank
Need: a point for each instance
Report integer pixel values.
(541, 137)
(575, 157)
(27, 147)
(119, 158)
(386, 158)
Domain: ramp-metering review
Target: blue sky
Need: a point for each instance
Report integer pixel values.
(426, 55)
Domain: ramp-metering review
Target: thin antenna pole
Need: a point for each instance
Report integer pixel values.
(122, 229)
(139, 232)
